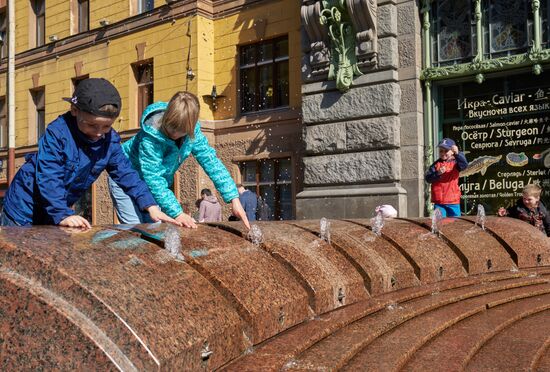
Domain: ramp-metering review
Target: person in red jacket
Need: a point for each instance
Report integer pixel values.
(443, 176)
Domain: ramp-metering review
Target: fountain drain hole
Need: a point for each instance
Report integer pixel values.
(341, 295)
(206, 352)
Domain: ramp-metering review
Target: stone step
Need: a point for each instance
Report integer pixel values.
(392, 350)
(482, 251)
(337, 349)
(266, 296)
(287, 347)
(433, 259)
(328, 277)
(530, 246)
(380, 263)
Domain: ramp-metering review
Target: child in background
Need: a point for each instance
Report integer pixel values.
(170, 132)
(443, 176)
(75, 149)
(530, 209)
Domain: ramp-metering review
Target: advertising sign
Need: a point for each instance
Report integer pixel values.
(505, 135)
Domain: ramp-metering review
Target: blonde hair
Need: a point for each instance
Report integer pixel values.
(532, 190)
(182, 113)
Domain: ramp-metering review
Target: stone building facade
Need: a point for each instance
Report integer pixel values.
(323, 108)
(364, 147)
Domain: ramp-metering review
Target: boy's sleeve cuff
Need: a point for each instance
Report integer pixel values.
(60, 217)
(145, 202)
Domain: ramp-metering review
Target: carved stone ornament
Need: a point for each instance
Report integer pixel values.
(316, 38)
(339, 38)
(363, 14)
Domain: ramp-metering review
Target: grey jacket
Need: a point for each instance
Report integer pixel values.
(210, 210)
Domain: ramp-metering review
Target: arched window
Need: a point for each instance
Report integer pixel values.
(453, 28)
(508, 27)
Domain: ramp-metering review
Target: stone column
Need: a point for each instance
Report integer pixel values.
(353, 140)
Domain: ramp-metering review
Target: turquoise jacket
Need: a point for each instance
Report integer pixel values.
(157, 157)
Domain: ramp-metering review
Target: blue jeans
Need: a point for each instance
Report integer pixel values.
(449, 210)
(126, 210)
(6, 220)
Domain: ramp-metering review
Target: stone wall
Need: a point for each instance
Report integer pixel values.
(411, 112)
(364, 147)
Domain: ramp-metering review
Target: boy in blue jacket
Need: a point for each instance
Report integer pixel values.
(170, 132)
(73, 152)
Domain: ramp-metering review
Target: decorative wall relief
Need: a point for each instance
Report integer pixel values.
(363, 17)
(339, 39)
(315, 39)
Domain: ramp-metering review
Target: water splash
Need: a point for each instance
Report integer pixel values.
(377, 223)
(172, 242)
(481, 217)
(324, 232)
(255, 235)
(436, 219)
(394, 306)
(290, 364)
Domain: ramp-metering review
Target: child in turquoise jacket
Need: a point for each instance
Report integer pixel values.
(170, 132)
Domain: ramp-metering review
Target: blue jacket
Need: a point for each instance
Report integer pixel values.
(250, 204)
(66, 165)
(157, 157)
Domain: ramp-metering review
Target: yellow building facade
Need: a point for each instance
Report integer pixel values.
(150, 50)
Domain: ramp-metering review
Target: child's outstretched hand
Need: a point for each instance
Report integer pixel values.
(502, 212)
(157, 215)
(186, 221)
(238, 211)
(75, 221)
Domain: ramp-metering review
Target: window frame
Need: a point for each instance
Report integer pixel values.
(275, 182)
(485, 36)
(39, 110)
(144, 86)
(256, 67)
(83, 23)
(4, 33)
(3, 123)
(142, 6)
(39, 21)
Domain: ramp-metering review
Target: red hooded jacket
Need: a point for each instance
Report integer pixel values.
(445, 188)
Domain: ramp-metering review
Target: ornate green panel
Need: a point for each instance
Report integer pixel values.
(533, 58)
(480, 66)
(343, 64)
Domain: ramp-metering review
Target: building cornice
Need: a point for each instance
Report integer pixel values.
(158, 16)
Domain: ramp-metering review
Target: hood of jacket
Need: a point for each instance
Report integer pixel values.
(211, 199)
(151, 121)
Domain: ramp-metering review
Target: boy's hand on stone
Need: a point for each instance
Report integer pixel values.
(238, 211)
(157, 215)
(186, 221)
(75, 221)
(502, 212)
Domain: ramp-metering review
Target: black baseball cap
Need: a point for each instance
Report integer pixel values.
(92, 94)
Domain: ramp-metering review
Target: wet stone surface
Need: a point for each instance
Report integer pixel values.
(154, 297)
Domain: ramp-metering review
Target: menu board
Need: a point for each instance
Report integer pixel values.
(505, 135)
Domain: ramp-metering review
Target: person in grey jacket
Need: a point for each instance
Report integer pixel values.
(210, 209)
